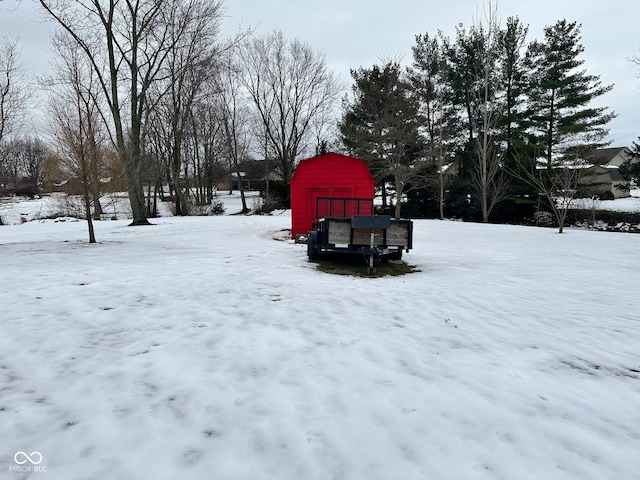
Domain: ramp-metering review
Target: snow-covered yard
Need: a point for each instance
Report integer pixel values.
(116, 205)
(629, 204)
(202, 348)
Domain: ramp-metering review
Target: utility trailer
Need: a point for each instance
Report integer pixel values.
(348, 225)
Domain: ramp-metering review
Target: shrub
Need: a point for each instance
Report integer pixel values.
(512, 210)
(215, 208)
(543, 218)
(606, 196)
(279, 196)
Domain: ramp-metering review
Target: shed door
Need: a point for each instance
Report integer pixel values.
(314, 193)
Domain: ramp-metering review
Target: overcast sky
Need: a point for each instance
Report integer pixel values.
(359, 33)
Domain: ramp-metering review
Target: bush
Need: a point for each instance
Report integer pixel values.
(20, 191)
(546, 219)
(215, 208)
(606, 216)
(606, 196)
(421, 203)
(279, 196)
(513, 210)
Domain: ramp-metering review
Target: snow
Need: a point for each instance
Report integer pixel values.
(202, 347)
(629, 204)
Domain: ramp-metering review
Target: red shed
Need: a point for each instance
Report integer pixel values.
(329, 175)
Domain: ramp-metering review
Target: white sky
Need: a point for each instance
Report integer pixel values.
(355, 33)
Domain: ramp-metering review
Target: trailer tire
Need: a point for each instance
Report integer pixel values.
(312, 245)
(397, 255)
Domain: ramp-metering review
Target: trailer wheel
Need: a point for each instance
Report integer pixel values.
(312, 245)
(397, 255)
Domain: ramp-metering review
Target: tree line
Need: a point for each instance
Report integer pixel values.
(480, 118)
(151, 94)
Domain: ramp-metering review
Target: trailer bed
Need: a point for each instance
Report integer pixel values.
(339, 232)
(348, 225)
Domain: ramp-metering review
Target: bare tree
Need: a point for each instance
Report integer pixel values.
(77, 126)
(207, 144)
(235, 117)
(192, 61)
(489, 179)
(290, 86)
(127, 43)
(22, 169)
(556, 183)
(635, 59)
(14, 90)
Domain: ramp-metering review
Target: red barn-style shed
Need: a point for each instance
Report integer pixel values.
(329, 175)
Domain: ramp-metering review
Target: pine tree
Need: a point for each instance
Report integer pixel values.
(428, 75)
(513, 72)
(630, 168)
(380, 125)
(562, 128)
(560, 94)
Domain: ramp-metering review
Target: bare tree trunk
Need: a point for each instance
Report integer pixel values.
(398, 206)
(488, 179)
(94, 174)
(383, 191)
(87, 201)
(97, 207)
(241, 188)
(14, 92)
(441, 183)
(154, 211)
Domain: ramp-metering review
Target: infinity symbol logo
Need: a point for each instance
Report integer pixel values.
(31, 458)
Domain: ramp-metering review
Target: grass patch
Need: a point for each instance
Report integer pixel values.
(355, 266)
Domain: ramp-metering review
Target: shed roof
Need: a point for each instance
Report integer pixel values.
(332, 156)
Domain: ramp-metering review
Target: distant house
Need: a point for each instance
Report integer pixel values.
(252, 174)
(604, 178)
(612, 157)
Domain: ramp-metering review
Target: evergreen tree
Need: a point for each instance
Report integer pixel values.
(630, 168)
(380, 125)
(428, 75)
(560, 93)
(480, 75)
(563, 130)
(464, 64)
(513, 72)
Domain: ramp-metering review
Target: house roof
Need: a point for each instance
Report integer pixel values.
(252, 169)
(605, 155)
